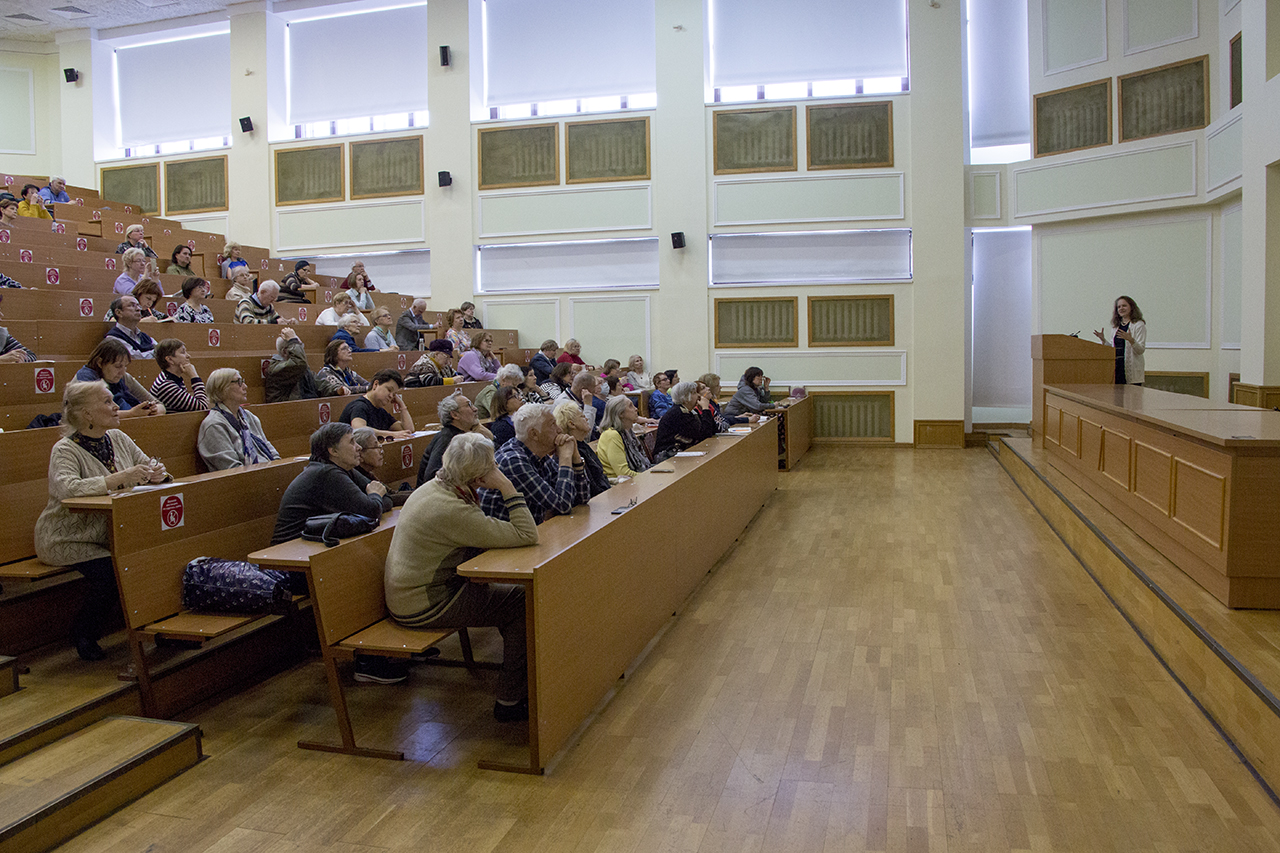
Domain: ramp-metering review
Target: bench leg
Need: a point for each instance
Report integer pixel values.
(338, 698)
(145, 689)
(465, 639)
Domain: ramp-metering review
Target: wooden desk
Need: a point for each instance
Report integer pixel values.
(1198, 480)
(795, 431)
(594, 595)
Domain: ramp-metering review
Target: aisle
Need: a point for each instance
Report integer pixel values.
(899, 656)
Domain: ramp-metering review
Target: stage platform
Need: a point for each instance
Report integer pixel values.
(1227, 660)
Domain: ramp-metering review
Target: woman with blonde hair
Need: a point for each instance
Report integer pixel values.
(231, 436)
(572, 422)
(343, 306)
(231, 259)
(135, 272)
(383, 334)
(457, 335)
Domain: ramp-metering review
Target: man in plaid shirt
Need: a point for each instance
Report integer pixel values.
(542, 464)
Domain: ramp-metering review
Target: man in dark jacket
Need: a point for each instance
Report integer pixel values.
(289, 377)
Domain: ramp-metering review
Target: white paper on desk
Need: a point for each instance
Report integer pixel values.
(692, 453)
(149, 486)
(737, 430)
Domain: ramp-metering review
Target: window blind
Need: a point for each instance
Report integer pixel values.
(587, 264)
(175, 90)
(811, 257)
(999, 80)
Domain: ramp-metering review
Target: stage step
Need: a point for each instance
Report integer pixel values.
(52, 794)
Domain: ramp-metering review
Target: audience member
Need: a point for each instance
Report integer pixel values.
(752, 396)
(544, 361)
(469, 320)
(135, 271)
(148, 293)
(176, 370)
(723, 421)
(55, 191)
(109, 363)
(544, 466)
(8, 212)
(559, 380)
(612, 387)
(288, 375)
(381, 336)
(659, 400)
(32, 206)
(635, 378)
(435, 366)
(611, 369)
(479, 364)
(231, 258)
(128, 314)
(620, 451)
(457, 416)
(530, 389)
(133, 240)
(410, 323)
(242, 286)
(357, 271)
(92, 458)
(582, 393)
(291, 289)
(260, 307)
(195, 291)
(348, 332)
(5, 281)
(572, 353)
(453, 320)
(336, 378)
(508, 376)
(439, 527)
(231, 436)
(343, 306)
(180, 261)
(572, 422)
(381, 408)
(507, 401)
(687, 422)
(357, 283)
(372, 456)
(11, 351)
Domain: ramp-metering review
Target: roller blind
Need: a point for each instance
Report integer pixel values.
(807, 258)
(175, 90)
(585, 265)
(999, 79)
(367, 64)
(565, 49)
(782, 41)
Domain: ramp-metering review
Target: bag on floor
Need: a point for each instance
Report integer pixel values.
(333, 526)
(233, 586)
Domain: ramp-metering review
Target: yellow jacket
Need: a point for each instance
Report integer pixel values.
(34, 211)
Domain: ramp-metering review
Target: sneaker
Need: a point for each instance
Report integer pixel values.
(511, 713)
(380, 670)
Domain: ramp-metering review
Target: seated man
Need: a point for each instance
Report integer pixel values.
(439, 527)
(409, 325)
(381, 408)
(543, 465)
(585, 392)
(10, 349)
(176, 370)
(327, 485)
(457, 416)
(128, 315)
(372, 455)
(288, 376)
(509, 376)
(291, 288)
(545, 360)
(55, 190)
(258, 307)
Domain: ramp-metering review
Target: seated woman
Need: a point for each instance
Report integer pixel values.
(544, 360)
(336, 378)
(659, 400)
(611, 369)
(241, 284)
(439, 527)
(572, 422)
(752, 396)
(381, 407)
(434, 367)
(8, 212)
(383, 334)
(361, 289)
(92, 458)
(32, 205)
(469, 321)
(457, 335)
(635, 379)
(348, 329)
(195, 291)
(572, 353)
(231, 259)
(686, 423)
(135, 272)
(133, 240)
(530, 389)
(619, 450)
(508, 376)
(10, 350)
(230, 435)
(371, 458)
(148, 293)
(561, 379)
(723, 421)
(508, 401)
(343, 306)
(327, 485)
(109, 363)
(176, 370)
(180, 261)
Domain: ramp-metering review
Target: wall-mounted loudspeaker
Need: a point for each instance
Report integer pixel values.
(71, 74)
(444, 55)
(445, 179)
(246, 124)
(677, 239)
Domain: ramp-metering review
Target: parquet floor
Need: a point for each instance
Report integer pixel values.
(898, 656)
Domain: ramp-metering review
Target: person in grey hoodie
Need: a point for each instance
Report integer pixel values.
(752, 396)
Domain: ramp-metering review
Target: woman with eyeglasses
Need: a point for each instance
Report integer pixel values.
(230, 435)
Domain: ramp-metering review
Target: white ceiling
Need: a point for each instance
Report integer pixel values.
(36, 20)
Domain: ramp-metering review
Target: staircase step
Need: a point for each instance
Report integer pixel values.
(52, 794)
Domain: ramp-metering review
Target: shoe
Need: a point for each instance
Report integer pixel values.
(372, 669)
(431, 652)
(89, 649)
(516, 713)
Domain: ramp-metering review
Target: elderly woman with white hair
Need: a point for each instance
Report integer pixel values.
(135, 272)
(343, 306)
(457, 416)
(572, 422)
(133, 240)
(92, 458)
(619, 450)
(689, 420)
(509, 376)
(241, 284)
(349, 332)
(230, 435)
(441, 526)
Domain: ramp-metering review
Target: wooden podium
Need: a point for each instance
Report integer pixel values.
(1065, 360)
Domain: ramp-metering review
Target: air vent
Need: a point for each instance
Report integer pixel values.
(71, 12)
(23, 18)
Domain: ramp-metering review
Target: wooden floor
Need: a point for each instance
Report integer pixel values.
(899, 656)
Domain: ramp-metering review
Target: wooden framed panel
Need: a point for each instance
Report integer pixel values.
(309, 175)
(852, 417)
(1073, 118)
(138, 185)
(1190, 382)
(851, 321)
(381, 168)
(770, 321)
(614, 149)
(849, 136)
(754, 140)
(524, 156)
(195, 186)
(1237, 73)
(1168, 99)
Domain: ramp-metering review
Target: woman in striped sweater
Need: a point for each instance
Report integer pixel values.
(176, 370)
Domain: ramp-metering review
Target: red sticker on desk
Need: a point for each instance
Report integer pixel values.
(406, 456)
(401, 361)
(8, 180)
(25, 256)
(171, 512)
(266, 362)
(44, 380)
(324, 414)
(171, 309)
(302, 313)
(191, 244)
(328, 296)
(215, 338)
(86, 307)
(404, 302)
(79, 202)
(119, 227)
(59, 228)
(82, 245)
(51, 275)
(96, 216)
(110, 263)
(145, 220)
(5, 237)
(264, 263)
(168, 231)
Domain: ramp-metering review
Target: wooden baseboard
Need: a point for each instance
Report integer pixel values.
(939, 434)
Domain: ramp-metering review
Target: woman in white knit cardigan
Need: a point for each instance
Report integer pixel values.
(92, 458)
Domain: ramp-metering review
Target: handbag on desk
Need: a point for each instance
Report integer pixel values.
(233, 586)
(332, 527)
